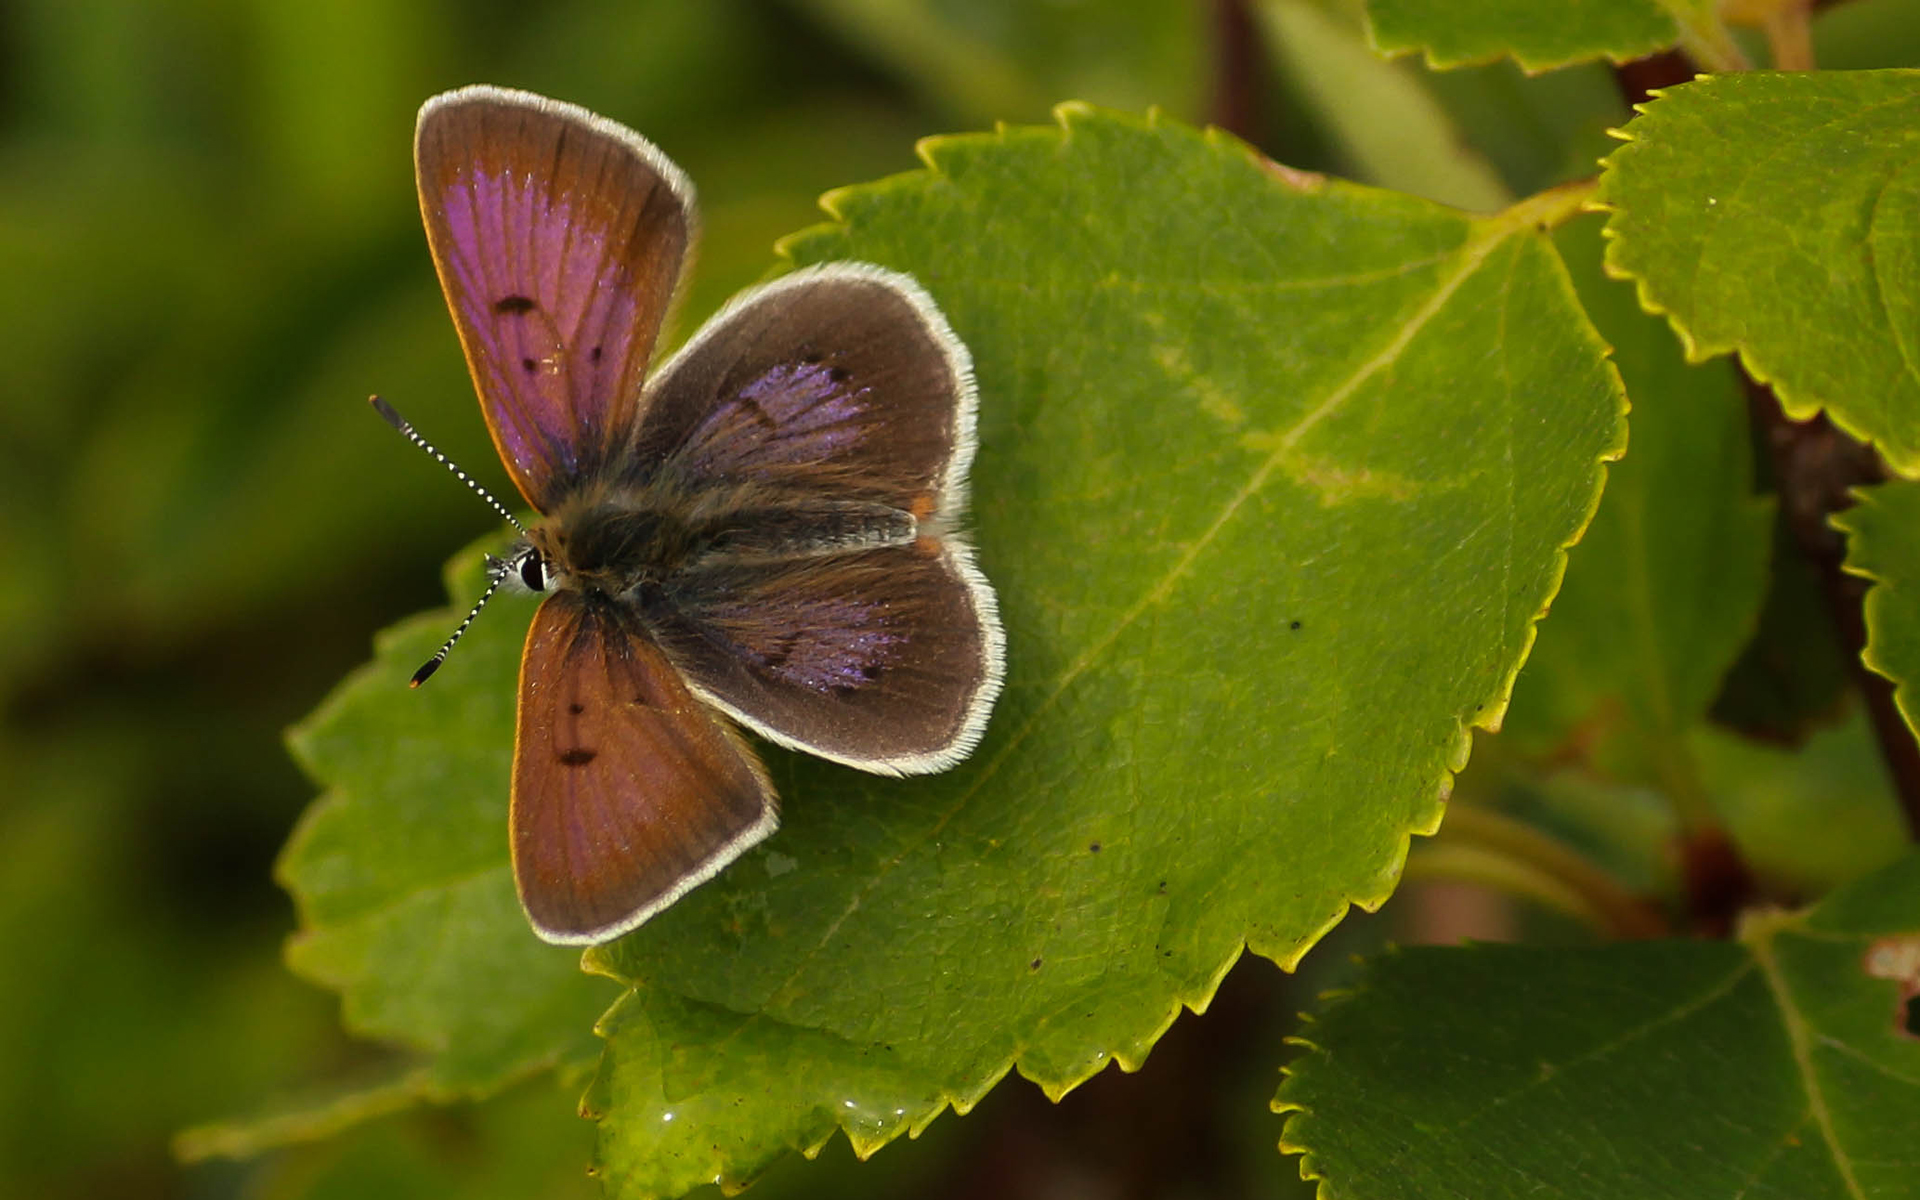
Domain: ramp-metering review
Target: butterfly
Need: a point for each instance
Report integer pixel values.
(760, 532)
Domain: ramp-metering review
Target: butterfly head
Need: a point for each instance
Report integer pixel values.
(524, 568)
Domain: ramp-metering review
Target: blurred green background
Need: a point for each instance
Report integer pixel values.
(212, 254)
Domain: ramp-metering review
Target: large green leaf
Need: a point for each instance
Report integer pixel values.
(1275, 476)
(1883, 544)
(1778, 215)
(1778, 1064)
(1539, 34)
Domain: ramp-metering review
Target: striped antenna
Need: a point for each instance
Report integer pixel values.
(496, 568)
(399, 422)
(496, 572)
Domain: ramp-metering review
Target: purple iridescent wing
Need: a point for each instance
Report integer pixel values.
(559, 238)
(842, 380)
(835, 386)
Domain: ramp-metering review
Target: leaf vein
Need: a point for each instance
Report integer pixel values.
(1797, 1038)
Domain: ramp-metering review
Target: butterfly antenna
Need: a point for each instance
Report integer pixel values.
(496, 572)
(496, 569)
(399, 422)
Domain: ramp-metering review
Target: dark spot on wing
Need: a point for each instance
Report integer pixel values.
(809, 356)
(576, 709)
(593, 355)
(514, 305)
(529, 366)
(837, 374)
(779, 652)
(579, 756)
(761, 416)
(871, 671)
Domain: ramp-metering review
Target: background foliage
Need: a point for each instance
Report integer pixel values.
(208, 225)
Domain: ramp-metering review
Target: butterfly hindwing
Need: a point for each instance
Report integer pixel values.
(838, 385)
(883, 658)
(559, 238)
(627, 789)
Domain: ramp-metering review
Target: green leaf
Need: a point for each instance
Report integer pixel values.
(1810, 819)
(1392, 130)
(1778, 215)
(1223, 407)
(1539, 34)
(1883, 544)
(400, 870)
(1775, 1065)
(1666, 586)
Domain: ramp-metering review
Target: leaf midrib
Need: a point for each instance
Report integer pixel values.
(1761, 947)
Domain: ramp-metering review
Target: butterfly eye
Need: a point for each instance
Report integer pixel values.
(533, 571)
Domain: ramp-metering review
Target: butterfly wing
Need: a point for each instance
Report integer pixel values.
(627, 789)
(835, 384)
(884, 658)
(841, 380)
(559, 238)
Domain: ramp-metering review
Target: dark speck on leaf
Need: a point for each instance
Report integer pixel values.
(1034, 965)
(579, 756)
(1293, 625)
(1094, 847)
(514, 305)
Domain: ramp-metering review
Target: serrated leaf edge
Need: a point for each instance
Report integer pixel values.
(1696, 351)
(1879, 595)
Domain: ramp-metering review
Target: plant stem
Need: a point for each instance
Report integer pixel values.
(1708, 43)
(1790, 36)
(1235, 105)
(1485, 847)
(1553, 207)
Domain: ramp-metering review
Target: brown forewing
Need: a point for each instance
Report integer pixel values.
(559, 238)
(627, 790)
